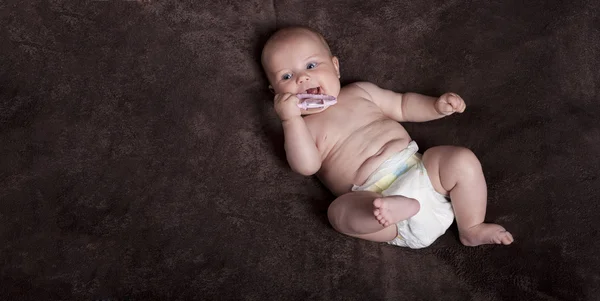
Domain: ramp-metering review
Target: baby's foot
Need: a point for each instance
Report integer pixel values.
(485, 234)
(392, 209)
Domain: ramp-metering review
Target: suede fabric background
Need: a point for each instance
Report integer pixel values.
(141, 159)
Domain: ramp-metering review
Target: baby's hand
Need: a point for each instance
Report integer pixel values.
(286, 106)
(450, 103)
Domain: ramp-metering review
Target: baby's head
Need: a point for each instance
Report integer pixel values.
(298, 60)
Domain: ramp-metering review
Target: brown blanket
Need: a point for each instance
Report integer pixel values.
(141, 159)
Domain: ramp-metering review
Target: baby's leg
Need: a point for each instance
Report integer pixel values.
(458, 171)
(370, 216)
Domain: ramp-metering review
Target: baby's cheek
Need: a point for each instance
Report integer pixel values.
(336, 89)
(279, 89)
(291, 88)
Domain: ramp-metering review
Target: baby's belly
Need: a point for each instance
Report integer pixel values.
(359, 156)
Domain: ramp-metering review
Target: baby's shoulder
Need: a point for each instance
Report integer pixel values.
(360, 85)
(363, 89)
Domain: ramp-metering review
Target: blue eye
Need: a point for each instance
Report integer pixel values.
(311, 65)
(286, 76)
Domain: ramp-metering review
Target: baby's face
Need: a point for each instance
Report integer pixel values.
(300, 63)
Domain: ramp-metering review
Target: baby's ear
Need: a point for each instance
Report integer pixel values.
(271, 89)
(336, 64)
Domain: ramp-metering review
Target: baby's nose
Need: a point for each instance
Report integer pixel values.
(303, 77)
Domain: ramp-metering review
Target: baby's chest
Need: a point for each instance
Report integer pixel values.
(339, 127)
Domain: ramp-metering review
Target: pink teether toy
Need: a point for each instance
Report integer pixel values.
(315, 101)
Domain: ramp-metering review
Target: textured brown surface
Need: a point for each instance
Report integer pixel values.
(141, 158)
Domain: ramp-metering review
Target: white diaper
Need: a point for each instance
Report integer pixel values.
(404, 174)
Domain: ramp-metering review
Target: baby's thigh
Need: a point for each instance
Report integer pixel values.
(443, 164)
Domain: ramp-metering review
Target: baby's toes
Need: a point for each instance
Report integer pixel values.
(377, 213)
(507, 239)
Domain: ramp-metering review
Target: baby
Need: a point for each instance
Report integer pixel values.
(386, 191)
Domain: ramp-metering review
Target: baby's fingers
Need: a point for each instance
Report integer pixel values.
(446, 108)
(463, 106)
(458, 104)
(281, 99)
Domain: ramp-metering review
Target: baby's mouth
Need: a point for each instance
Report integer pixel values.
(316, 90)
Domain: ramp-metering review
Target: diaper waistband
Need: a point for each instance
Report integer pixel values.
(393, 167)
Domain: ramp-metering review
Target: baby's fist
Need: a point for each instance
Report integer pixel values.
(450, 103)
(286, 106)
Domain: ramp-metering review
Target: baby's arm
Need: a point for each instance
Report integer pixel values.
(300, 148)
(413, 107)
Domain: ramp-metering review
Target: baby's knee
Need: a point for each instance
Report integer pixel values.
(336, 212)
(466, 158)
(443, 155)
(333, 213)
(447, 160)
